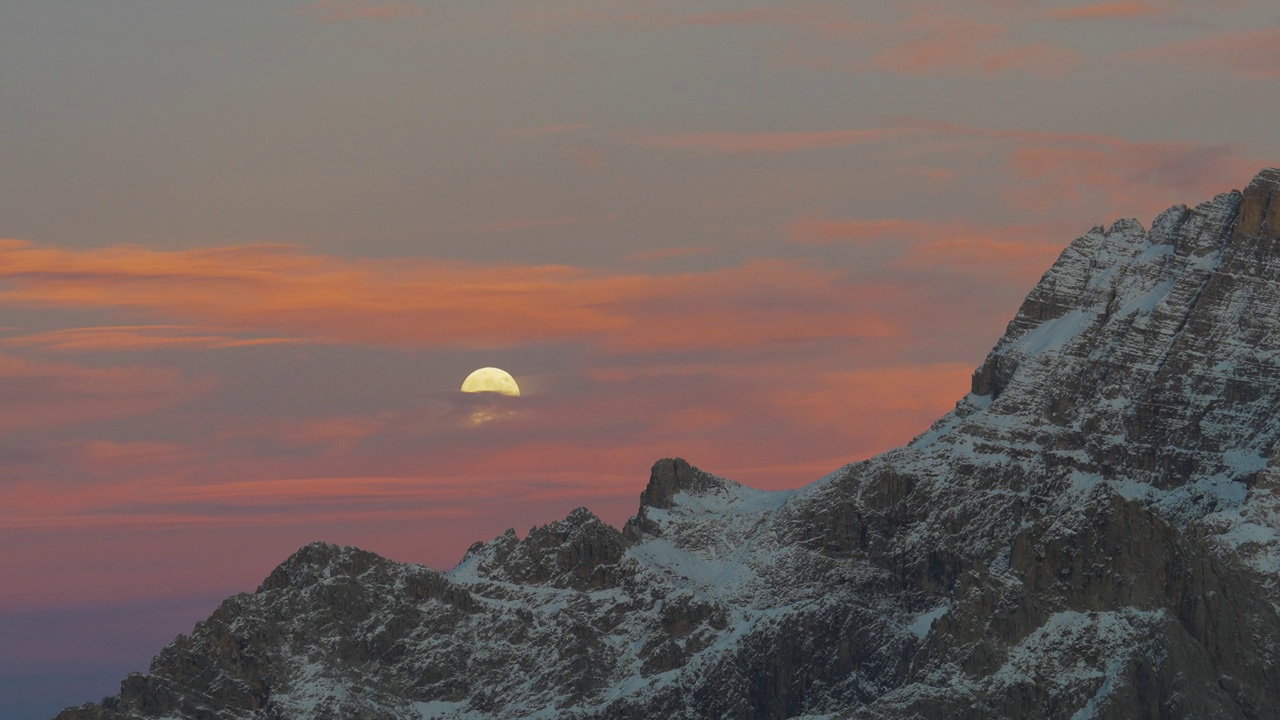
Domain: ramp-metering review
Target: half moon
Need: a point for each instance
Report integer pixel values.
(491, 379)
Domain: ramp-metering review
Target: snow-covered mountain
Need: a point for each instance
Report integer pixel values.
(1093, 532)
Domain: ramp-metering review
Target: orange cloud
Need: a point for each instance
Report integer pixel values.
(821, 231)
(1122, 177)
(1104, 174)
(136, 338)
(42, 395)
(165, 500)
(286, 292)
(983, 255)
(1254, 54)
(953, 45)
(770, 143)
(338, 10)
(763, 302)
(1013, 251)
(902, 402)
(104, 451)
(331, 431)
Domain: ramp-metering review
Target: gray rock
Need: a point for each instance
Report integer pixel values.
(1093, 532)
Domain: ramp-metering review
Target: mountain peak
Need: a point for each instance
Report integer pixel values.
(320, 560)
(1259, 209)
(1094, 531)
(579, 551)
(669, 476)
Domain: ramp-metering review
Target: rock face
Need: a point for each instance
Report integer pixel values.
(1093, 532)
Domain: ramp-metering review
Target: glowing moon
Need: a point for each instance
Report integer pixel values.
(491, 379)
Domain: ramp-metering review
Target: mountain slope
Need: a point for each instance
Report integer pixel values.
(1092, 532)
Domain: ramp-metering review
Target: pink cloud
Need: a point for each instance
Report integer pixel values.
(288, 293)
(136, 338)
(1088, 172)
(822, 231)
(1018, 252)
(983, 255)
(769, 143)
(44, 395)
(1125, 178)
(130, 453)
(937, 46)
(1253, 54)
(906, 399)
(774, 415)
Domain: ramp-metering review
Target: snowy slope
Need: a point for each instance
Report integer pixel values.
(1093, 532)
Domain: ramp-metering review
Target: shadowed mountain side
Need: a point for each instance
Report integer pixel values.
(1093, 532)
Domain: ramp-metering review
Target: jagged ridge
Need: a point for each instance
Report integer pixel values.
(1091, 533)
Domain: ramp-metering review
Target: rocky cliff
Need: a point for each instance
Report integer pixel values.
(1093, 532)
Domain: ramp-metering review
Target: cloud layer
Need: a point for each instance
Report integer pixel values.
(255, 250)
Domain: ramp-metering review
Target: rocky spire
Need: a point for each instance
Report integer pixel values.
(1259, 209)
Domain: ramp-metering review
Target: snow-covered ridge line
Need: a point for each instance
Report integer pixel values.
(1093, 532)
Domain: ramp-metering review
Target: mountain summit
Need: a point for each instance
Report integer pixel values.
(1093, 532)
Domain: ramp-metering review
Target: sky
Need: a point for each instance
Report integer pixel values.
(250, 250)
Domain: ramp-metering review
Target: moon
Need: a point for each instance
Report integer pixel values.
(491, 379)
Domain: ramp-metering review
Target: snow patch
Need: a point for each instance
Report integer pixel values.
(1052, 335)
(920, 626)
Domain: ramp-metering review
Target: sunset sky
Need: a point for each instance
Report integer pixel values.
(251, 249)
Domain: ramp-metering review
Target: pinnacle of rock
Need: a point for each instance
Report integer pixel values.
(1259, 209)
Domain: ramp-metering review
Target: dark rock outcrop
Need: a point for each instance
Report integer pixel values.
(1093, 532)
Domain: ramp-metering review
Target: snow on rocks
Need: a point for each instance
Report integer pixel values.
(1093, 532)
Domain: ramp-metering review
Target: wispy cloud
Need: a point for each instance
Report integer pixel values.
(1252, 54)
(45, 394)
(288, 293)
(932, 45)
(1017, 252)
(135, 338)
(823, 231)
(983, 255)
(769, 143)
(1078, 172)
(1125, 177)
